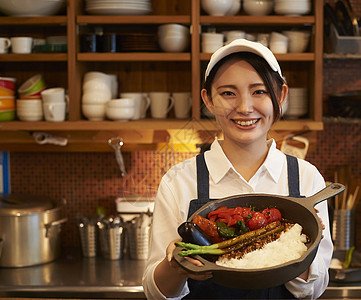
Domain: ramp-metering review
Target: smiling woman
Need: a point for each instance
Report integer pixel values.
(245, 90)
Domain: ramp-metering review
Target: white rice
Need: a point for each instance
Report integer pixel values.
(290, 245)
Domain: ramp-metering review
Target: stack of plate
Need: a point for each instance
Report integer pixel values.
(118, 7)
(297, 103)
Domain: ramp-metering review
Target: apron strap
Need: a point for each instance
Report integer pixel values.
(202, 178)
(293, 176)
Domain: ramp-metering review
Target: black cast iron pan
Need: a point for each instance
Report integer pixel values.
(299, 210)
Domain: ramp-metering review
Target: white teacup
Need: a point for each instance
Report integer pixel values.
(21, 44)
(141, 103)
(54, 95)
(5, 43)
(160, 104)
(182, 105)
(54, 111)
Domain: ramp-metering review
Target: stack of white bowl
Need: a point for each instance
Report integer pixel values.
(278, 42)
(211, 41)
(122, 109)
(97, 91)
(297, 100)
(297, 40)
(292, 7)
(173, 37)
(29, 109)
(258, 7)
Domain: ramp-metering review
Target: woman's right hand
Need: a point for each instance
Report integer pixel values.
(173, 264)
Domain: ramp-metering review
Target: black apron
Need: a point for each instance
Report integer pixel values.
(207, 289)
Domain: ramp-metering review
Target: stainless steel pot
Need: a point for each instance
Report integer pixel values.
(29, 230)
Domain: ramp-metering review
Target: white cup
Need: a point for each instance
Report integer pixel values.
(54, 95)
(21, 44)
(141, 103)
(182, 105)
(160, 104)
(54, 111)
(5, 43)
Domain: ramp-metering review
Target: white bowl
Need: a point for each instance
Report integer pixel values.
(122, 102)
(292, 7)
(96, 85)
(258, 7)
(298, 40)
(174, 43)
(94, 112)
(31, 8)
(217, 7)
(236, 7)
(175, 29)
(96, 97)
(120, 113)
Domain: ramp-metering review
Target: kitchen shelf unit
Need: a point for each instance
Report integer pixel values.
(74, 64)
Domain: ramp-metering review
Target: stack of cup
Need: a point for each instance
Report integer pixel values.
(7, 98)
(97, 91)
(29, 105)
(141, 103)
(54, 104)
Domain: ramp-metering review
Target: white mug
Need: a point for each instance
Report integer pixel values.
(182, 105)
(5, 43)
(160, 104)
(21, 44)
(54, 111)
(54, 95)
(142, 102)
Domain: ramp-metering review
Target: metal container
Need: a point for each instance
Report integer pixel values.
(29, 230)
(343, 229)
(88, 238)
(111, 237)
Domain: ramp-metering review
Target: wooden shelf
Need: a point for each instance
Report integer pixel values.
(281, 57)
(132, 19)
(36, 21)
(148, 124)
(10, 57)
(134, 56)
(254, 20)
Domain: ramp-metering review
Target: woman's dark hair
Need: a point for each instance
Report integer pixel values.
(272, 80)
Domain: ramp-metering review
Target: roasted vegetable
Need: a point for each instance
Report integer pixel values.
(209, 227)
(231, 244)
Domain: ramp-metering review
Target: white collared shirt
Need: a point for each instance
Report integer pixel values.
(179, 186)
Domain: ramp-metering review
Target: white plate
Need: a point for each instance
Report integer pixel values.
(118, 11)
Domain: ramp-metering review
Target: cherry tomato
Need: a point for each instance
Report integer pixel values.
(272, 214)
(257, 221)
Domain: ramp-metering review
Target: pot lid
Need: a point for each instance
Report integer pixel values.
(11, 204)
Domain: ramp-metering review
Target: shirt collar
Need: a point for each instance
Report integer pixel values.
(218, 164)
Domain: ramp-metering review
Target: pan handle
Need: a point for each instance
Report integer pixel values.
(188, 266)
(329, 191)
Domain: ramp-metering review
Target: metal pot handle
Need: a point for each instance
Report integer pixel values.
(55, 223)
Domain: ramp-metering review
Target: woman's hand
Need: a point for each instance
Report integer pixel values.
(175, 265)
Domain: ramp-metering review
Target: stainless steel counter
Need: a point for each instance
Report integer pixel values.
(77, 277)
(74, 277)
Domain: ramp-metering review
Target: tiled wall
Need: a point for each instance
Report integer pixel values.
(87, 180)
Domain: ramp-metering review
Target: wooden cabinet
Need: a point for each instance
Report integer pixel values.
(147, 71)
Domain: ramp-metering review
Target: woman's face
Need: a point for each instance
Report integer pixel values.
(240, 102)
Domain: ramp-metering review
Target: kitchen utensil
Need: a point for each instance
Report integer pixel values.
(116, 143)
(299, 210)
(343, 229)
(88, 236)
(138, 231)
(30, 230)
(111, 237)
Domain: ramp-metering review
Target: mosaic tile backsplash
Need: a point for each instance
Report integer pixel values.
(87, 180)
